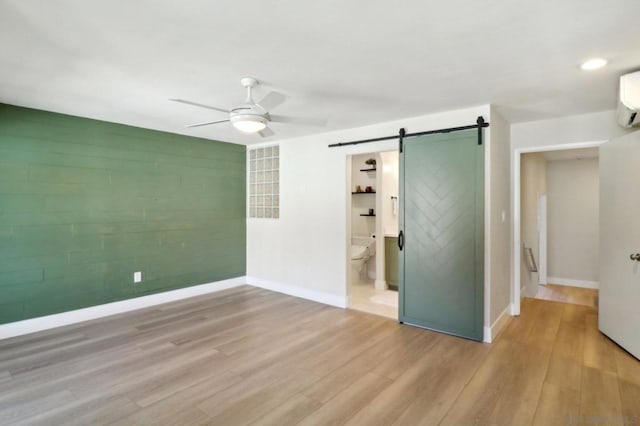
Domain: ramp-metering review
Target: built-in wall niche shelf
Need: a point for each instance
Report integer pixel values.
(368, 215)
(369, 170)
(364, 192)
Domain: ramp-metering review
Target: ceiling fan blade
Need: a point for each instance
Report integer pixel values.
(272, 100)
(182, 101)
(305, 121)
(207, 123)
(266, 132)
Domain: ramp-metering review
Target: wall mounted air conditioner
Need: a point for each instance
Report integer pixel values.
(629, 102)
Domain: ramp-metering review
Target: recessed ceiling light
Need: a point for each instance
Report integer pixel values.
(593, 64)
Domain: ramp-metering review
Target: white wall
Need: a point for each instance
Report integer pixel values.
(306, 249)
(390, 185)
(533, 183)
(498, 220)
(573, 206)
(597, 126)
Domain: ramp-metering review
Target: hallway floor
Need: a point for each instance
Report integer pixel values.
(566, 294)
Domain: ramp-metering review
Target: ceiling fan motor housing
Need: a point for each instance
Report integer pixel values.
(249, 118)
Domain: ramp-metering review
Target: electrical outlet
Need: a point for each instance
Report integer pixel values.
(137, 277)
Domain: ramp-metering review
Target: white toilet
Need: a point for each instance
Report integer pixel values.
(362, 248)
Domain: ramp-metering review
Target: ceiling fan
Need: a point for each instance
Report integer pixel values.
(252, 116)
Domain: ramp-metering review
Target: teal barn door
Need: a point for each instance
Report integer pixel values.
(442, 223)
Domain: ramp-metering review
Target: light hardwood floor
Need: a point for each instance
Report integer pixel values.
(250, 356)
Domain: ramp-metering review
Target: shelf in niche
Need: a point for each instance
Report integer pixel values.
(369, 170)
(368, 215)
(364, 192)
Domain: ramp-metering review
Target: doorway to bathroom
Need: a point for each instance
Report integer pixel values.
(372, 201)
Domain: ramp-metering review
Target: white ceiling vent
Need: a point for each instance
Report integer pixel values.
(629, 101)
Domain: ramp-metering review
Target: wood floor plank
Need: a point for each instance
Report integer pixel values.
(600, 397)
(19, 350)
(409, 345)
(346, 349)
(176, 416)
(564, 373)
(53, 377)
(575, 314)
(520, 327)
(599, 351)
(505, 389)
(25, 407)
(444, 380)
(256, 396)
(565, 365)
(169, 409)
(627, 367)
(388, 406)
(290, 412)
(122, 380)
(557, 406)
(146, 392)
(542, 334)
(349, 401)
(569, 342)
(630, 402)
(251, 356)
(85, 411)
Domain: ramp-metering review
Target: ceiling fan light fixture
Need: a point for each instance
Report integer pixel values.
(249, 123)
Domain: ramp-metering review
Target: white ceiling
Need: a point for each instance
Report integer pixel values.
(356, 62)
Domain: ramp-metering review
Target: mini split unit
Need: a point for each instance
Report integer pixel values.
(629, 102)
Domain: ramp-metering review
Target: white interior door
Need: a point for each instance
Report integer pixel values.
(619, 310)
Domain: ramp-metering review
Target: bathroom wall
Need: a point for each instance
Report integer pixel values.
(361, 203)
(389, 170)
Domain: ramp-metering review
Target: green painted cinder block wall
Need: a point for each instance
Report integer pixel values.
(85, 203)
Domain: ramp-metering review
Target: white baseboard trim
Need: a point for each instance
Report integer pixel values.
(573, 283)
(33, 325)
(513, 311)
(292, 290)
(486, 338)
(381, 285)
(490, 333)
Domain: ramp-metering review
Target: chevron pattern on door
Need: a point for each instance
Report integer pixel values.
(442, 220)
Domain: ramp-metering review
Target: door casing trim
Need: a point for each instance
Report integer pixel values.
(516, 237)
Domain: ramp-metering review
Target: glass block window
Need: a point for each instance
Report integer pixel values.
(264, 182)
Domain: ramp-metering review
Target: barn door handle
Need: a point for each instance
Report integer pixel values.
(635, 257)
(401, 241)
